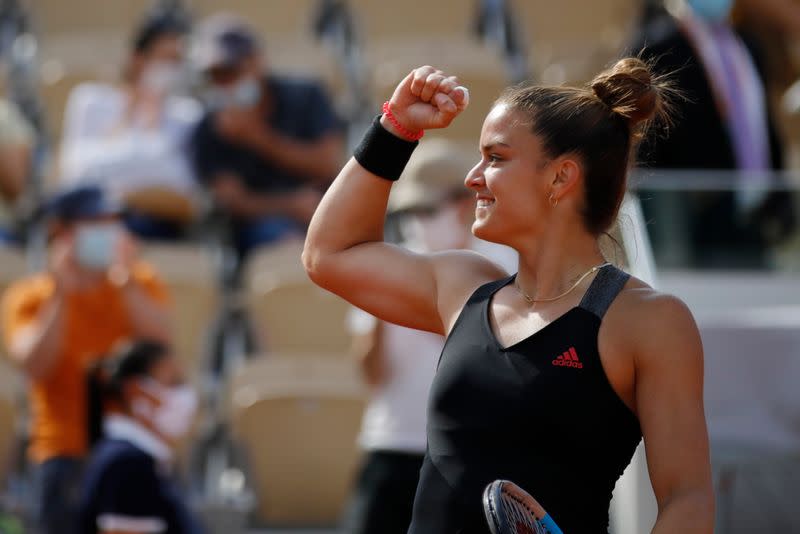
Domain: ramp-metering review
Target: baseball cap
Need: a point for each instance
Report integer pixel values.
(86, 202)
(223, 40)
(435, 173)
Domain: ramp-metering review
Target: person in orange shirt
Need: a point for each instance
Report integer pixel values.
(94, 295)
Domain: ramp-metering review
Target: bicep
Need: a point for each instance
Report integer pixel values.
(421, 291)
(389, 282)
(14, 171)
(669, 402)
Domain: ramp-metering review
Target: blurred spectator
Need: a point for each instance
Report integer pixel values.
(435, 211)
(775, 26)
(269, 144)
(94, 294)
(149, 408)
(16, 147)
(132, 139)
(724, 123)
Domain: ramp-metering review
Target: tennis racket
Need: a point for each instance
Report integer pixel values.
(510, 510)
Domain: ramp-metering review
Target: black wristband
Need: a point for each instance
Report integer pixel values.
(382, 153)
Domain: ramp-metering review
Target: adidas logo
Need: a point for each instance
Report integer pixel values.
(568, 359)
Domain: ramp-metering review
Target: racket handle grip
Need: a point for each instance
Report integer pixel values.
(550, 525)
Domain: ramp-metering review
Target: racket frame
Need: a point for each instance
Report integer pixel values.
(492, 495)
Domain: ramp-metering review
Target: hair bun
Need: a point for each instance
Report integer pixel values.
(630, 90)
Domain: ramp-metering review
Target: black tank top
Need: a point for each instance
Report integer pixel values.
(540, 413)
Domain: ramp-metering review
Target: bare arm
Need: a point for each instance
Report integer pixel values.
(368, 350)
(150, 319)
(345, 252)
(669, 402)
(238, 200)
(14, 170)
(37, 347)
(319, 159)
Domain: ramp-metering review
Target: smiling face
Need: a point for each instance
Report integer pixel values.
(513, 180)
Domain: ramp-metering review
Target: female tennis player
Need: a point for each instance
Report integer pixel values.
(550, 377)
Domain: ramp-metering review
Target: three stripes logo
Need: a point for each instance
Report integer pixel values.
(568, 359)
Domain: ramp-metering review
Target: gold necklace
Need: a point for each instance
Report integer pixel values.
(531, 300)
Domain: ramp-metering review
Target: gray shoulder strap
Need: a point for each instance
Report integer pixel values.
(603, 290)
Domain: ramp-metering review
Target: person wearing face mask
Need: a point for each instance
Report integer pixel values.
(94, 294)
(140, 408)
(131, 138)
(723, 123)
(268, 144)
(434, 212)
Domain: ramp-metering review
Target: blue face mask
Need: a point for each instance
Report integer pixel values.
(246, 93)
(96, 244)
(713, 11)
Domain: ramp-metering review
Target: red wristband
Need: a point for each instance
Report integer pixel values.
(409, 135)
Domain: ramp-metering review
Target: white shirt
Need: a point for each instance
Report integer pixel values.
(100, 147)
(126, 428)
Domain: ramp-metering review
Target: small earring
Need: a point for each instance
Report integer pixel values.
(553, 200)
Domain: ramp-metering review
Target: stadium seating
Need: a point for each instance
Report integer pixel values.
(381, 20)
(288, 32)
(296, 420)
(273, 17)
(572, 39)
(13, 266)
(189, 273)
(485, 84)
(55, 17)
(10, 414)
(290, 313)
(443, 37)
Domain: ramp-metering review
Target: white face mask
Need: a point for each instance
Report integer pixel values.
(96, 244)
(244, 94)
(174, 416)
(442, 230)
(162, 78)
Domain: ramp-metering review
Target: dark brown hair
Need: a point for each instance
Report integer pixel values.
(107, 377)
(602, 124)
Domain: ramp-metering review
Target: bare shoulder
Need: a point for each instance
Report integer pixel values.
(458, 274)
(650, 324)
(640, 302)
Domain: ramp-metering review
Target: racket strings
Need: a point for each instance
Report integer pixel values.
(520, 516)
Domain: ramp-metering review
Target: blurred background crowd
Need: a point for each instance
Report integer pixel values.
(167, 365)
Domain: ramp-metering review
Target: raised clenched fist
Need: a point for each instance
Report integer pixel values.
(427, 99)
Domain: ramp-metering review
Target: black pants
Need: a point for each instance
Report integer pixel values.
(58, 483)
(384, 494)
